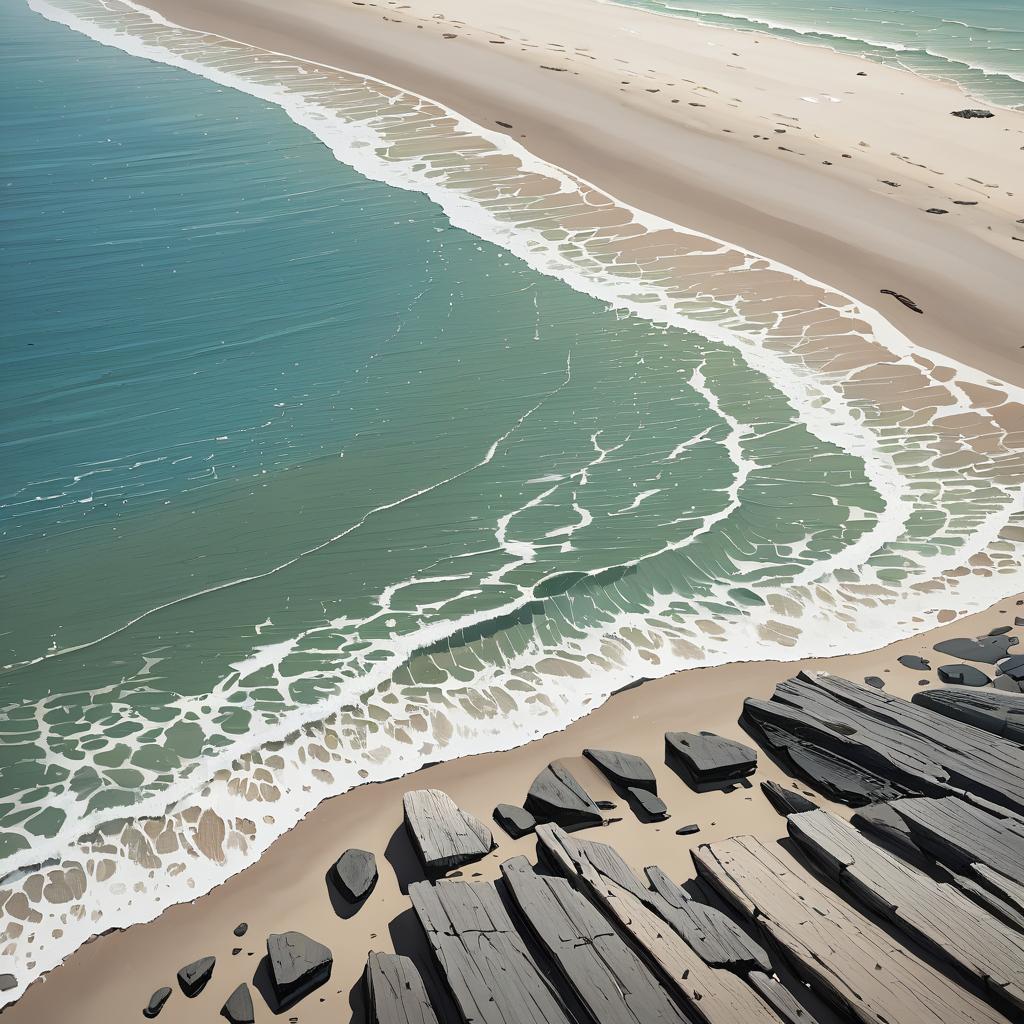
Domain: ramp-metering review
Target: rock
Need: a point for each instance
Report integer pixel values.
(556, 796)
(626, 770)
(606, 805)
(1018, 620)
(651, 805)
(355, 874)
(515, 820)
(963, 675)
(972, 113)
(936, 210)
(999, 630)
(395, 992)
(876, 681)
(688, 830)
(444, 835)
(156, 1000)
(1008, 684)
(194, 976)
(1012, 667)
(914, 663)
(987, 649)
(786, 1006)
(238, 1008)
(298, 965)
(241, 929)
(999, 713)
(909, 303)
(786, 801)
(707, 758)
(8, 981)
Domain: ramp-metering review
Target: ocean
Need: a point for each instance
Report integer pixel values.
(340, 435)
(979, 45)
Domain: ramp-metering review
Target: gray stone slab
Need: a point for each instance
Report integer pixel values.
(394, 991)
(443, 835)
(515, 820)
(707, 758)
(557, 796)
(626, 770)
(999, 713)
(355, 874)
(298, 965)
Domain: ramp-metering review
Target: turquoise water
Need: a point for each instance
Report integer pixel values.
(337, 439)
(978, 45)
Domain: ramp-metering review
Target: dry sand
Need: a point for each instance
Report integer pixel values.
(110, 979)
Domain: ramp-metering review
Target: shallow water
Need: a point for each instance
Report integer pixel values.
(341, 435)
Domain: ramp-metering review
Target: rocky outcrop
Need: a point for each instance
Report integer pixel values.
(443, 835)
(626, 770)
(355, 874)
(556, 796)
(999, 713)
(298, 965)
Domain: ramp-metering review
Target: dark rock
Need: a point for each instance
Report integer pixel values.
(606, 805)
(999, 713)
(972, 113)
(1000, 630)
(515, 820)
(862, 74)
(355, 874)
(987, 649)
(298, 965)
(909, 303)
(963, 675)
(556, 796)
(9, 981)
(238, 1008)
(786, 1006)
(966, 202)
(241, 929)
(626, 770)
(194, 976)
(1018, 620)
(156, 1000)
(1008, 684)
(650, 804)
(235, 950)
(444, 835)
(707, 757)
(395, 992)
(876, 681)
(914, 663)
(688, 830)
(1012, 667)
(935, 209)
(884, 822)
(786, 801)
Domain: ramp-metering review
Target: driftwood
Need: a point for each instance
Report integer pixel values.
(862, 745)
(491, 975)
(848, 959)
(443, 834)
(711, 996)
(936, 914)
(999, 713)
(395, 992)
(609, 979)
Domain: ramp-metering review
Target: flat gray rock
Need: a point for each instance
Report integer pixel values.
(627, 770)
(556, 796)
(443, 835)
(914, 662)
(9, 981)
(193, 977)
(999, 713)
(240, 929)
(962, 675)
(238, 1008)
(688, 830)
(355, 874)
(395, 992)
(786, 801)
(987, 649)
(156, 1001)
(298, 965)
(515, 820)
(706, 757)
(876, 681)
(650, 806)
(1013, 667)
(967, 114)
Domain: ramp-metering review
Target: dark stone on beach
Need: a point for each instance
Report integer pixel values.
(688, 830)
(355, 874)
(515, 820)
(914, 663)
(987, 649)
(8, 981)
(1012, 667)
(193, 978)
(862, 74)
(1018, 620)
(235, 950)
(966, 202)
(876, 681)
(972, 113)
(999, 630)
(155, 1005)
(786, 801)
(298, 965)
(706, 757)
(936, 210)
(999, 713)
(650, 804)
(626, 770)
(606, 805)
(963, 675)
(238, 1008)
(1008, 684)
(556, 796)
(240, 929)
(443, 835)
(909, 303)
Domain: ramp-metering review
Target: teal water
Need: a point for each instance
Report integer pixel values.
(313, 474)
(977, 45)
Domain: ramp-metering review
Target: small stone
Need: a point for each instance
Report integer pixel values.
(876, 681)
(606, 805)
(909, 303)
(156, 1001)
(914, 663)
(936, 210)
(241, 929)
(972, 113)
(687, 830)
(999, 630)
(193, 977)
(8, 981)
(515, 820)
(236, 950)
(238, 1008)
(651, 805)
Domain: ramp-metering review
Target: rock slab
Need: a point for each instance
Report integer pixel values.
(238, 1008)
(999, 713)
(626, 770)
(649, 805)
(708, 758)
(515, 820)
(193, 977)
(395, 992)
(786, 801)
(298, 965)
(556, 796)
(355, 874)
(443, 835)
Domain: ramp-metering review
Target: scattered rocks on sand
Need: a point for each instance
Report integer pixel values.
(194, 976)
(625, 770)
(395, 992)
(972, 113)
(651, 806)
(709, 758)
(240, 929)
(238, 1008)
(298, 965)
(963, 675)
(355, 874)
(986, 649)
(786, 801)
(156, 1001)
(556, 796)
(909, 303)
(515, 820)
(914, 663)
(444, 835)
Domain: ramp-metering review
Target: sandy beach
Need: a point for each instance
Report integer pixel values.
(824, 162)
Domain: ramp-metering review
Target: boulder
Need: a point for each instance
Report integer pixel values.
(238, 1008)
(444, 835)
(626, 770)
(298, 965)
(355, 874)
(963, 675)
(556, 796)
(987, 649)
(914, 663)
(967, 114)
(156, 1001)
(193, 977)
(706, 757)
(650, 805)
(786, 801)
(515, 820)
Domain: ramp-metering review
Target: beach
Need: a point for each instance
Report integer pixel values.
(689, 178)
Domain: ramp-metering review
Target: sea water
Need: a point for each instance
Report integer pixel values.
(340, 435)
